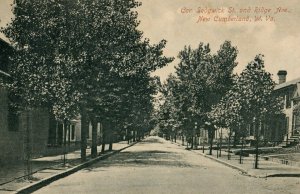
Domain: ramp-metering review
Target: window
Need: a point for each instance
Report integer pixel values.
(72, 132)
(60, 134)
(287, 124)
(13, 119)
(288, 99)
(52, 130)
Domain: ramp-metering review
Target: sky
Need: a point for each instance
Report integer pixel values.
(277, 40)
(276, 36)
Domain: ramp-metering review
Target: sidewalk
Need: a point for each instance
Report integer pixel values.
(265, 168)
(11, 175)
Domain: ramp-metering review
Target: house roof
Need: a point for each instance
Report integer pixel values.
(297, 92)
(4, 39)
(286, 84)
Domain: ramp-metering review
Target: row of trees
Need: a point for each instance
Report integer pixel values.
(84, 58)
(201, 80)
(205, 93)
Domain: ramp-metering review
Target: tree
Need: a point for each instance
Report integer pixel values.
(227, 113)
(250, 101)
(255, 87)
(169, 109)
(206, 78)
(40, 66)
(70, 52)
(116, 53)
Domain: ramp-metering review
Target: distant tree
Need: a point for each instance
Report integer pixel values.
(227, 113)
(174, 109)
(206, 78)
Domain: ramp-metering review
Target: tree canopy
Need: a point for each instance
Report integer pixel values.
(83, 57)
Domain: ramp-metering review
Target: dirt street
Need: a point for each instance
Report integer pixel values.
(157, 166)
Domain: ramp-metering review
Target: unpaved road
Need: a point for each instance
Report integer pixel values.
(157, 166)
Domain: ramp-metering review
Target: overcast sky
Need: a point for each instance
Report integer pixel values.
(278, 40)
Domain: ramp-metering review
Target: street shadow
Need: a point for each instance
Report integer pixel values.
(151, 140)
(11, 171)
(143, 159)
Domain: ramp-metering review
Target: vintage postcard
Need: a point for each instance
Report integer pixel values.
(150, 96)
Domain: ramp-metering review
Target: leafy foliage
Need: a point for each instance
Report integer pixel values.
(251, 99)
(70, 54)
(201, 80)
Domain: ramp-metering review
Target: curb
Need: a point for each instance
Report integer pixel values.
(283, 175)
(220, 161)
(46, 181)
(243, 171)
(226, 164)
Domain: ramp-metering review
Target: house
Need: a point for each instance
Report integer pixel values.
(289, 128)
(283, 130)
(12, 122)
(46, 135)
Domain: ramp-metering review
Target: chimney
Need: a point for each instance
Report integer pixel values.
(282, 76)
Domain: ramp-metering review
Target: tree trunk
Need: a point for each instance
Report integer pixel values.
(110, 129)
(103, 137)
(27, 148)
(211, 138)
(138, 135)
(187, 142)
(102, 147)
(256, 147)
(94, 138)
(235, 139)
(65, 141)
(211, 145)
(69, 137)
(221, 141)
(84, 129)
(110, 146)
(241, 152)
(127, 136)
(192, 142)
(134, 135)
(228, 150)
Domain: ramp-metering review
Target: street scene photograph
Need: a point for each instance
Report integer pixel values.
(149, 96)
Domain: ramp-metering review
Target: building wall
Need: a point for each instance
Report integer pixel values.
(99, 134)
(40, 128)
(289, 113)
(78, 131)
(10, 141)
